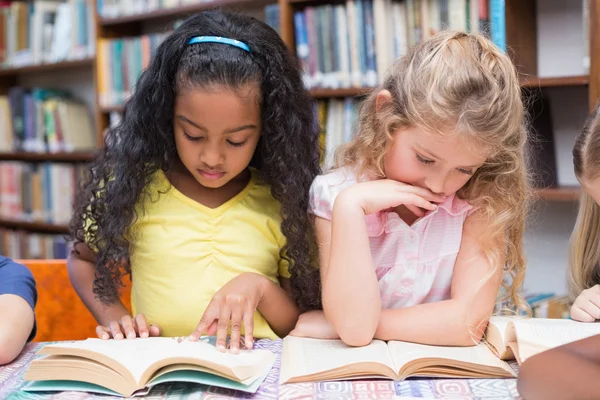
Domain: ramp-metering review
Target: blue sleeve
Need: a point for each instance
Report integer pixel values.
(16, 279)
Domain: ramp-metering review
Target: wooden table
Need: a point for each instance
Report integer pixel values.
(11, 381)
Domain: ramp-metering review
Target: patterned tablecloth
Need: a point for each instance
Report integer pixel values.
(11, 381)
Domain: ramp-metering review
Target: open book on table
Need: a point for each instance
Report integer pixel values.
(522, 338)
(507, 338)
(307, 360)
(125, 367)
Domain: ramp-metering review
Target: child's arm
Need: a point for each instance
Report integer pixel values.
(460, 321)
(82, 271)
(350, 290)
(16, 325)
(17, 300)
(279, 308)
(566, 372)
(113, 320)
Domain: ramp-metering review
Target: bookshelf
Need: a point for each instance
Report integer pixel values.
(532, 81)
(526, 82)
(34, 226)
(41, 68)
(178, 12)
(568, 193)
(521, 37)
(41, 157)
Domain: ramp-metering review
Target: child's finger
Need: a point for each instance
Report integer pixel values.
(222, 327)
(249, 327)
(415, 210)
(128, 328)
(103, 332)
(591, 309)
(422, 192)
(594, 297)
(578, 314)
(210, 314)
(236, 326)
(212, 328)
(155, 330)
(142, 326)
(115, 329)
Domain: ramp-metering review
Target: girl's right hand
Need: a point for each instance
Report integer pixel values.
(384, 194)
(587, 305)
(128, 327)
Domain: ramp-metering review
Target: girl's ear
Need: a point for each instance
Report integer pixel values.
(383, 97)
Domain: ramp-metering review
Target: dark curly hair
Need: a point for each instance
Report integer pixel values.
(287, 153)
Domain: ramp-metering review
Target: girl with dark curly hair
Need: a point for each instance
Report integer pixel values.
(201, 192)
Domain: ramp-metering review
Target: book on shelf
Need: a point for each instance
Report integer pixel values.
(43, 32)
(21, 245)
(549, 305)
(128, 367)
(44, 120)
(39, 192)
(507, 338)
(337, 119)
(353, 43)
(120, 63)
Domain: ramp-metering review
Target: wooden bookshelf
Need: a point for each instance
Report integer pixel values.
(568, 193)
(528, 82)
(109, 109)
(34, 226)
(348, 92)
(174, 12)
(41, 157)
(532, 81)
(43, 68)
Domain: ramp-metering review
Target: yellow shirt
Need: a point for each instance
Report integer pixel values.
(184, 252)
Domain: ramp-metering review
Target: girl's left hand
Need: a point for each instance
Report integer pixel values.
(314, 324)
(233, 303)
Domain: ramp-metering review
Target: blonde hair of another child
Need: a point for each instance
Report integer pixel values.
(585, 239)
(458, 83)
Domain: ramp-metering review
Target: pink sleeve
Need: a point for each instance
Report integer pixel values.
(321, 198)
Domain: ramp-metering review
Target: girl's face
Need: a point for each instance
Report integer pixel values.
(441, 163)
(216, 132)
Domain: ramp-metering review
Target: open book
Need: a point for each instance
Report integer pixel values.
(521, 338)
(127, 366)
(307, 360)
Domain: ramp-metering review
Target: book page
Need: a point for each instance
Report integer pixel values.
(404, 354)
(538, 334)
(311, 359)
(137, 355)
(497, 335)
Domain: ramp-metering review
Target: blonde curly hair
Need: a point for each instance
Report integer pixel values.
(464, 83)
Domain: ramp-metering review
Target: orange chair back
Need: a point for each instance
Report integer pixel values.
(60, 313)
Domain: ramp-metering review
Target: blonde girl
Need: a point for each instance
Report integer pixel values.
(422, 220)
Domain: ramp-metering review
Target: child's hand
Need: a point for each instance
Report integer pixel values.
(128, 327)
(234, 303)
(313, 324)
(587, 305)
(385, 194)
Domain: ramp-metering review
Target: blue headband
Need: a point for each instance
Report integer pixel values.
(219, 39)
